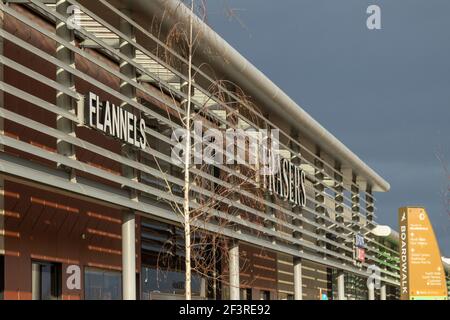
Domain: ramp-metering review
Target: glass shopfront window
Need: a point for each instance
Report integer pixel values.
(159, 284)
(163, 265)
(102, 284)
(355, 286)
(46, 281)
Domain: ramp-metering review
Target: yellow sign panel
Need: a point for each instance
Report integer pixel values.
(422, 275)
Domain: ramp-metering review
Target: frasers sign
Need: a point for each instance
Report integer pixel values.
(286, 180)
(115, 121)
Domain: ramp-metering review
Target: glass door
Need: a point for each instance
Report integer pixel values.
(46, 281)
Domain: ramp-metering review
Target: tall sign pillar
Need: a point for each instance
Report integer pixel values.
(422, 275)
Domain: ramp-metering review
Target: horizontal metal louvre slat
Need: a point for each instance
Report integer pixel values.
(13, 143)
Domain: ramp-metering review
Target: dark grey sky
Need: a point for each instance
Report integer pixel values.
(384, 93)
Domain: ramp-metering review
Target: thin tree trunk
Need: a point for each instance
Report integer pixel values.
(187, 157)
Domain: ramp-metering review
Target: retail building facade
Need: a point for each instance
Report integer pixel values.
(88, 210)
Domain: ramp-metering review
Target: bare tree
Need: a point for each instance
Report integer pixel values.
(209, 193)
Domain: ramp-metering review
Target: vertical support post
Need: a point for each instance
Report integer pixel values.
(341, 285)
(234, 271)
(383, 291)
(128, 256)
(129, 222)
(66, 79)
(35, 281)
(371, 291)
(298, 283)
(297, 210)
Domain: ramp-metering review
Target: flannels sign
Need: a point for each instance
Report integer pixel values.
(115, 121)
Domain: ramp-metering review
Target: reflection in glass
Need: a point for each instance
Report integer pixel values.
(156, 282)
(102, 285)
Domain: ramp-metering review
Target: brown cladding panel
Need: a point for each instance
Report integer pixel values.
(42, 225)
(258, 269)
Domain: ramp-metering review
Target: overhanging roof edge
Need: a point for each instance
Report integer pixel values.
(230, 62)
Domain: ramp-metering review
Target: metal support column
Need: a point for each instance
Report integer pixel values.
(341, 285)
(371, 291)
(128, 256)
(383, 291)
(234, 271)
(129, 222)
(297, 210)
(298, 283)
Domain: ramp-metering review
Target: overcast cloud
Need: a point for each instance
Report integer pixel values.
(384, 93)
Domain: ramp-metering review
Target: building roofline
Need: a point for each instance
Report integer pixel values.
(223, 57)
